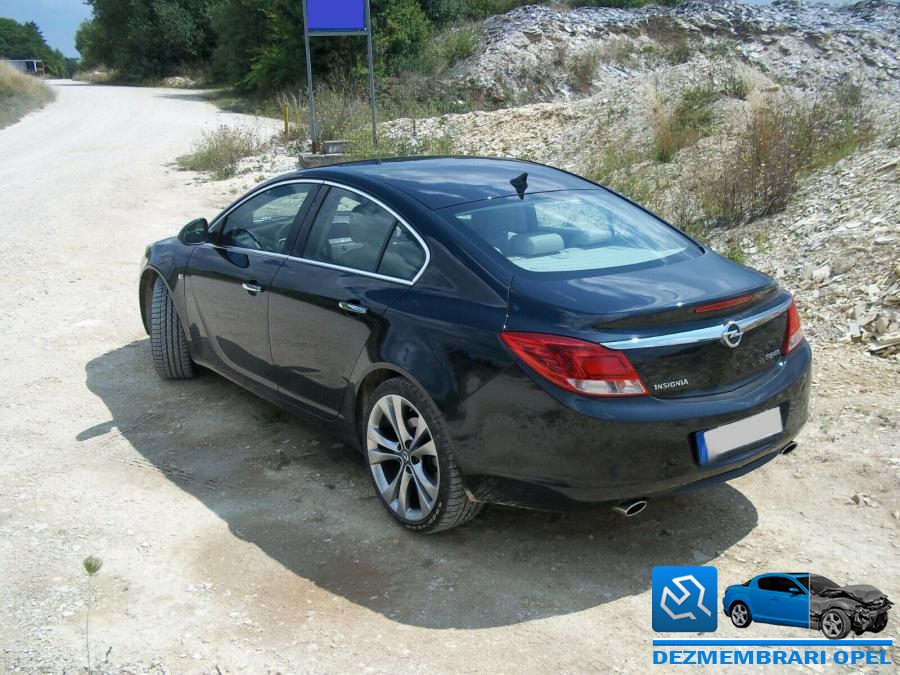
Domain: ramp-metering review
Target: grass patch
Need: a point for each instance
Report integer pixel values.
(220, 150)
(782, 143)
(362, 147)
(675, 127)
(20, 94)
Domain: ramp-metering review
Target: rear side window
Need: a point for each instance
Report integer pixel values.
(349, 231)
(355, 232)
(403, 256)
(571, 230)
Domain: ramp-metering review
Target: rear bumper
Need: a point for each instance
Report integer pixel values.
(524, 442)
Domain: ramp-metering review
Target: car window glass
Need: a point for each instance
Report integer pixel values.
(571, 230)
(349, 231)
(781, 584)
(264, 222)
(403, 256)
(767, 583)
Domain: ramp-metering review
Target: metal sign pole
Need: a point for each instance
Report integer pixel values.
(371, 73)
(309, 84)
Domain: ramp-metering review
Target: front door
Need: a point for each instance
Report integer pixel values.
(229, 280)
(357, 259)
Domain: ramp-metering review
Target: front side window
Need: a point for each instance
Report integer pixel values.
(264, 222)
(355, 232)
(571, 230)
(778, 584)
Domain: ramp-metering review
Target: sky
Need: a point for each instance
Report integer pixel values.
(57, 19)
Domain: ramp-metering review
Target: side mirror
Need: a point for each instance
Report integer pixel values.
(794, 591)
(195, 232)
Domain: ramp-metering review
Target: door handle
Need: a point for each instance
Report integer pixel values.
(252, 287)
(353, 307)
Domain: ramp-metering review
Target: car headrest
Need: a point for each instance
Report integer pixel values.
(530, 245)
(367, 223)
(591, 237)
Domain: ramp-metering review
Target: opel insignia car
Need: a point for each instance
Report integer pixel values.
(486, 330)
(808, 601)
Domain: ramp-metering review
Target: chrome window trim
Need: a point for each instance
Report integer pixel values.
(319, 263)
(708, 334)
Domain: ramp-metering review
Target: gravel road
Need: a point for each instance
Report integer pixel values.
(235, 538)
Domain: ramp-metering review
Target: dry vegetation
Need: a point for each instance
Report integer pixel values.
(20, 94)
(782, 142)
(219, 151)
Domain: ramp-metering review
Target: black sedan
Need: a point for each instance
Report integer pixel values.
(486, 331)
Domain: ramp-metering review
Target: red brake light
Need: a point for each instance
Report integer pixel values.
(793, 336)
(724, 304)
(576, 365)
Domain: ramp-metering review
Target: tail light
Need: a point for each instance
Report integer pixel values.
(576, 365)
(793, 336)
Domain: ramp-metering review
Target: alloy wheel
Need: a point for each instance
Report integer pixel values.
(403, 458)
(832, 625)
(739, 615)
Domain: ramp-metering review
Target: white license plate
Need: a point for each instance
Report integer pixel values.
(721, 440)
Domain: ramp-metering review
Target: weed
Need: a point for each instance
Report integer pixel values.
(220, 150)
(780, 144)
(92, 565)
(362, 147)
(685, 123)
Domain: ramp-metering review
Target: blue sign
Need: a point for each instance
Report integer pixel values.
(684, 599)
(336, 16)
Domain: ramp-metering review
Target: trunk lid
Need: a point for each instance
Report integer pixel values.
(650, 314)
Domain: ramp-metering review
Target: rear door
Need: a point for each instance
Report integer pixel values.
(356, 259)
(229, 279)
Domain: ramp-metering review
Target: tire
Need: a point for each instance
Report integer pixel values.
(171, 353)
(430, 496)
(879, 624)
(835, 624)
(740, 615)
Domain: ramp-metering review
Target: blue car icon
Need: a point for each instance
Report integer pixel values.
(778, 598)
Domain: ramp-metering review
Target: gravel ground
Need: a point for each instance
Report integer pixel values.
(235, 538)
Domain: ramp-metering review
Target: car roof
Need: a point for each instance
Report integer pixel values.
(439, 182)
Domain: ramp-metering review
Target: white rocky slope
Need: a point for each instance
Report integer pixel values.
(838, 242)
(804, 43)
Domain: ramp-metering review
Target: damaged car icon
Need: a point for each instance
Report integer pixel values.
(807, 601)
(836, 610)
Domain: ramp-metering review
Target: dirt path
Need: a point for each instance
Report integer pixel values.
(234, 536)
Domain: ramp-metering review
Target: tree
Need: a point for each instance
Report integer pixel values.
(25, 41)
(145, 38)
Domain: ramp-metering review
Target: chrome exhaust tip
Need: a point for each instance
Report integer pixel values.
(631, 508)
(789, 448)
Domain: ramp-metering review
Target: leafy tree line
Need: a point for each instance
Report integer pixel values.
(25, 41)
(257, 45)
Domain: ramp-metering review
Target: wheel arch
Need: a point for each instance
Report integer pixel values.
(374, 377)
(145, 293)
(743, 599)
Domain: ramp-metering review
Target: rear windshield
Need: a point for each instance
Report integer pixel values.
(571, 230)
